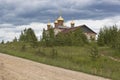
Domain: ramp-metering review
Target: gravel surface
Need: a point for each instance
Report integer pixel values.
(14, 68)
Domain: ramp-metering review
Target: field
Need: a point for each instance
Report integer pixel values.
(69, 57)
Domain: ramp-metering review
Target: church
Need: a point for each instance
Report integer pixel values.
(59, 27)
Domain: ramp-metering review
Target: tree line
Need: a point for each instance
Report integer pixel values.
(72, 38)
(109, 36)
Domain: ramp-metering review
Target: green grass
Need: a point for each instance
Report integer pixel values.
(110, 52)
(74, 58)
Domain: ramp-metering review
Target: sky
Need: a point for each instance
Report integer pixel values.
(16, 15)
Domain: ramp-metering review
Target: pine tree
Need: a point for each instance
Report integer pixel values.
(51, 37)
(60, 39)
(2, 42)
(94, 54)
(22, 37)
(117, 42)
(45, 38)
(79, 37)
(44, 35)
(28, 36)
(101, 38)
(72, 38)
(15, 39)
(108, 36)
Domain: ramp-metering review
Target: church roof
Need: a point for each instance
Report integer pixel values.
(84, 28)
(56, 21)
(72, 22)
(65, 29)
(48, 23)
(87, 29)
(60, 18)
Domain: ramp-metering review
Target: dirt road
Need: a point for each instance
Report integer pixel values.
(13, 68)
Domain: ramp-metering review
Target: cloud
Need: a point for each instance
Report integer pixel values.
(15, 15)
(37, 27)
(11, 31)
(8, 33)
(97, 24)
(6, 25)
(28, 11)
(113, 2)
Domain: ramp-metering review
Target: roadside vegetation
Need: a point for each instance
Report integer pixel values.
(72, 51)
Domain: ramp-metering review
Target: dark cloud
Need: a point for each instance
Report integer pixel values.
(15, 15)
(6, 26)
(24, 12)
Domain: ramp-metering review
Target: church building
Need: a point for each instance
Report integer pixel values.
(59, 27)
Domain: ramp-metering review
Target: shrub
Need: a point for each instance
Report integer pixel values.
(54, 53)
(23, 48)
(39, 52)
(94, 54)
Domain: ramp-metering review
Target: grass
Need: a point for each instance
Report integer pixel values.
(110, 52)
(74, 58)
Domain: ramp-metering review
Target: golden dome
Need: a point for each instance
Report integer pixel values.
(48, 23)
(60, 18)
(56, 21)
(72, 22)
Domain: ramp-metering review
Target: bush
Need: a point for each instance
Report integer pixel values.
(94, 54)
(23, 48)
(54, 53)
(40, 53)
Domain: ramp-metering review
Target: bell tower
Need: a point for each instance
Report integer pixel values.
(48, 25)
(60, 21)
(56, 24)
(72, 24)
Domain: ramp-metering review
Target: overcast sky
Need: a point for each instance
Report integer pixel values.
(15, 15)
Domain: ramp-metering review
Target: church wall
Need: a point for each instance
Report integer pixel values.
(90, 35)
(60, 23)
(56, 31)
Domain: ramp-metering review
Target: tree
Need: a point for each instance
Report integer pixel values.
(79, 37)
(44, 37)
(22, 37)
(60, 39)
(94, 54)
(107, 36)
(101, 38)
(15, 39)
(53, 53)
(117, 42)
(51, 37)
(2, 42)
(48, 38)
(72, 38)
(28, 36)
